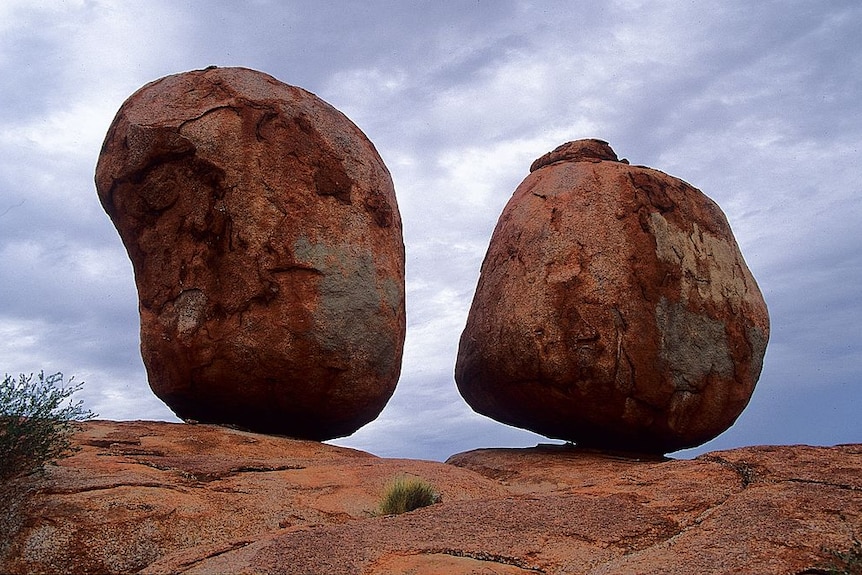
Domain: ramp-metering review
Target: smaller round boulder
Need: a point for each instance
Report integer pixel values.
(614, 309)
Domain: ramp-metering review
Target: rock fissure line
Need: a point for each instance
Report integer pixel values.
(685, 529)
(264, 469)
(232, 546)
(133, 452)
(107, 487)
(487, 557)
(112, 443)
(232, 107)
(748, 475)
(745, 471)
(184, 473)
(205, 477)
(821, 482)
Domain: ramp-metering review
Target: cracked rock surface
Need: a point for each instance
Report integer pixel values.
(163, 498)
(614, 309)
(266, 243)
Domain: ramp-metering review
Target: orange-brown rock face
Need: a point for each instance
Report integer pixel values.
(162, 498)
(266, 242)
(614, 309)
(134, 492)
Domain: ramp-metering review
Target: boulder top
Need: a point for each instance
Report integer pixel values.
(586, 150)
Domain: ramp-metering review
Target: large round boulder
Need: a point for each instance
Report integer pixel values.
(266, 244)
(614, 309)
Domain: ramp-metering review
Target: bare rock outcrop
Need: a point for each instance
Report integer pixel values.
(614, 309)
(162, 498)
(266, 242)
(135, 492)
(772, 510)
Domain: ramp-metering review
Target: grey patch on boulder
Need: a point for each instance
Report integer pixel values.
(186, 311)
(758, 340)
(350, 302)
(692, 346)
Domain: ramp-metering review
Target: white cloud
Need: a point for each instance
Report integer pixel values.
(71, 132)
(19, 342)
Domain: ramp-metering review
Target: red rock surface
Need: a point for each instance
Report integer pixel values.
(171, 498)
(266, 243)
(137, 491)
(614, 309)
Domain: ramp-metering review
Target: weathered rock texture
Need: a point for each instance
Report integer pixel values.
(266, 242)
(614, 309)
(171, 498)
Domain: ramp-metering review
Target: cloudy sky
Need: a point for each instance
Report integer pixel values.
(758, 104)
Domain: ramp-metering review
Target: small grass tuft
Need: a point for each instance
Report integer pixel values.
(407, 494)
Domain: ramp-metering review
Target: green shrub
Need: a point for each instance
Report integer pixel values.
(403, 495)
(37, 419)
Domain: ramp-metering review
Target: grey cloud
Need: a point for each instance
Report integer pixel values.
(755, 104)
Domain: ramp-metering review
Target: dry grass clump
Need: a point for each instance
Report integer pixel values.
(407, 494)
